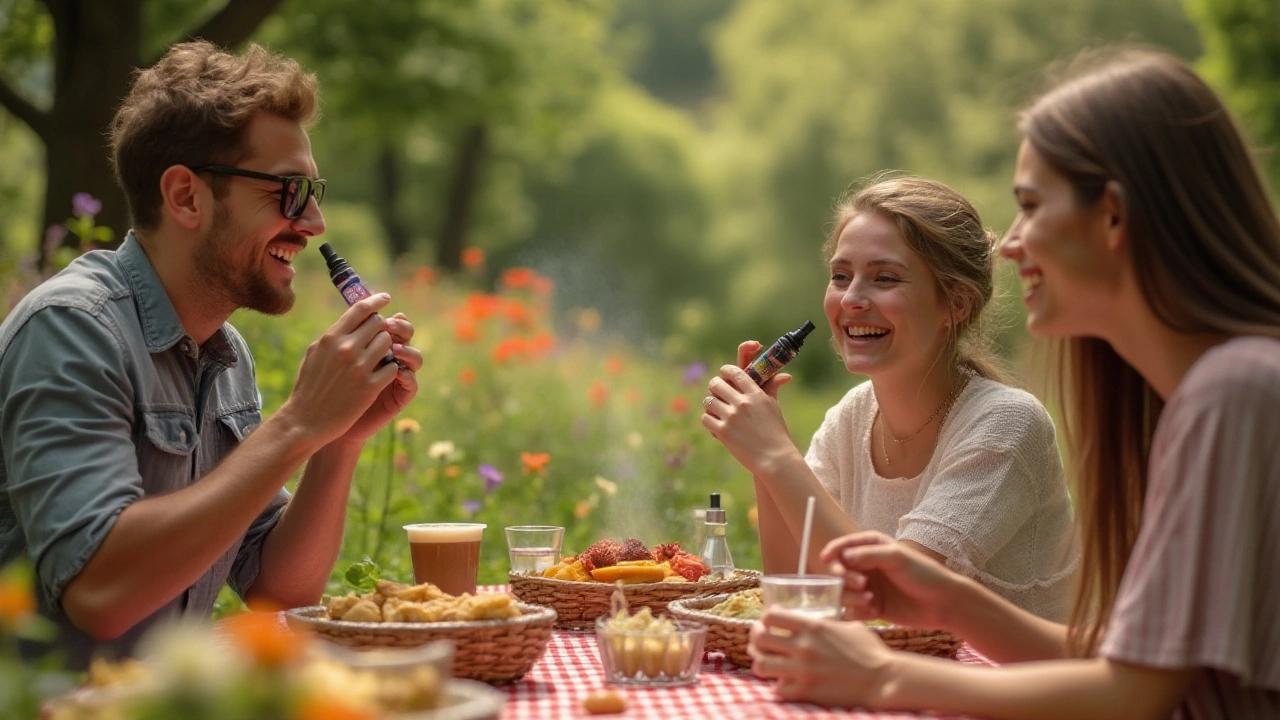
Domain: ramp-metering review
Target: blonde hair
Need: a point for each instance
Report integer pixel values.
(192, 108)
(944, 229)
(1205, 246)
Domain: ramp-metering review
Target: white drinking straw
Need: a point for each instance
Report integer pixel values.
(804, 539)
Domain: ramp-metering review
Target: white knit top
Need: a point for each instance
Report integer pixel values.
(992, 499)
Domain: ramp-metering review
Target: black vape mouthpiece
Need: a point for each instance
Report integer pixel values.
(715, 500)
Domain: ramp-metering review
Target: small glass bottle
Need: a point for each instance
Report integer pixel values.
(768, 363)
(348, 283)
(715, 550)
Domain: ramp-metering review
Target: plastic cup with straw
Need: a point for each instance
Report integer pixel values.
(814, 595)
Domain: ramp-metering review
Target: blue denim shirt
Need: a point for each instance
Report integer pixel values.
(105, 399)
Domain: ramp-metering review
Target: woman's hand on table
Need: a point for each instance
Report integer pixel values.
(889, 580)
(745, 417)
(828, 662)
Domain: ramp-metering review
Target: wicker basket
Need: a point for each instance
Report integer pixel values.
(578, 604)
(494, 651)
(729, 635)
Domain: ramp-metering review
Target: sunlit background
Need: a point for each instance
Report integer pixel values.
(662, 171)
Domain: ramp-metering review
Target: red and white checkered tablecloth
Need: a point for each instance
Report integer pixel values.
(570, 669)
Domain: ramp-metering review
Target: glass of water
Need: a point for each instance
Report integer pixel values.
(813, 595)
(533, 548)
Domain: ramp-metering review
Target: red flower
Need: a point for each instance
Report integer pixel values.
(599, 394)
(518, 277)
(679, 405)
(472, 257)
(467, 376)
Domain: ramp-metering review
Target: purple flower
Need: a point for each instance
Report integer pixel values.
(53, 237)
(492, 477)
(694, 373)
(85, 205)
(471, 507)
(676, 459)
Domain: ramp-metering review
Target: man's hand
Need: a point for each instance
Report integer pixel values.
(341, 392)
(397, 395)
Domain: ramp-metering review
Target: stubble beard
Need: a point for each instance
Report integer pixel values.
(241, 287)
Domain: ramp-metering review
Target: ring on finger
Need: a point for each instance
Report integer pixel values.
(706, 402)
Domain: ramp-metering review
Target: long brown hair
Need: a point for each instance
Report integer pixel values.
(944, 229)
(1205, 247)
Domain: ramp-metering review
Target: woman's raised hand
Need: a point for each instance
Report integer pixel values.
(889, 580)
(745, 417)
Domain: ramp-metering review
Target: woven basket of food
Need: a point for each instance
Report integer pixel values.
(579, 586)
(729, 619)
(496, 639)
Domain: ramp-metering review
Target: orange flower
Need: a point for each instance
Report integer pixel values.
(509, 348)
(535, 462)
(582, 509)
(542, 343)
(424, 275)
(16, 603)
(466, 331)
(482, 306)
(451, 471)
(543, 286)
(599, 394)
(315, 708)
(518, 277)
(467, 376)
(679, 405)
(614, 365)
(264, 637)
(472, 257)
(518, 313)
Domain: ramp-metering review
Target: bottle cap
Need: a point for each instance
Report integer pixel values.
(334, 261)
(797, 336)
(715, 514)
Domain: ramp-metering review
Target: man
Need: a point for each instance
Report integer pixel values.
(129, 475)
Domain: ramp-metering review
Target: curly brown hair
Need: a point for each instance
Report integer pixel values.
(192, 108)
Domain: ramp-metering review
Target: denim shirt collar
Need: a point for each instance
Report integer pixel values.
(161, 327)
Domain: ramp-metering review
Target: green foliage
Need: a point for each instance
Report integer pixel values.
(1242, 55)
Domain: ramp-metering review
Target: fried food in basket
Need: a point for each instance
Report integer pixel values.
(425, 603)
(629, 561)
(744, 605)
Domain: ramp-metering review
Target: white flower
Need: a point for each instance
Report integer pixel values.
(609, 488)
(441, 450)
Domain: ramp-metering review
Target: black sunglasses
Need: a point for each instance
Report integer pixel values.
(295, 190)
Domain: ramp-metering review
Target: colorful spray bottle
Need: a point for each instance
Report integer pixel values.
(768, 363)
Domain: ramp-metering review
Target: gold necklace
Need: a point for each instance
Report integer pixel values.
(946, 403)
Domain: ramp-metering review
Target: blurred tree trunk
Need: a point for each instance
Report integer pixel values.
(97, 45)
(462, 192)
(387, 201)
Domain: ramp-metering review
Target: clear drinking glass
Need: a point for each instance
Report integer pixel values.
(814, 595)
(533, 548)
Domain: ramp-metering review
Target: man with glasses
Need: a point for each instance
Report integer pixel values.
(136, 471)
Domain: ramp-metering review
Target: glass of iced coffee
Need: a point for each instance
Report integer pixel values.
(446, 554)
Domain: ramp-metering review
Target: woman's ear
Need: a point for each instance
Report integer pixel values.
(184, 196)
(1113, 204)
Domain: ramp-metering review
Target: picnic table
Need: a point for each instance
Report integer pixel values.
(570, 669)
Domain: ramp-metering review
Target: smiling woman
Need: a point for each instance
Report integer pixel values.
(936, 450)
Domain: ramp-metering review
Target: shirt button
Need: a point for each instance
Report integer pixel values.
(182, 435)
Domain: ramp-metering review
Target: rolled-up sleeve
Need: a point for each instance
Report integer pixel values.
(66, 422)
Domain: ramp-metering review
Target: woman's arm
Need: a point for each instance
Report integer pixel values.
(845, 665)
(894, 581)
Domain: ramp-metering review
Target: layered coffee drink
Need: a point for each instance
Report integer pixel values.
(446, 555)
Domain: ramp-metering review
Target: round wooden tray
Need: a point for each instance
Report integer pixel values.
(494, 651)
(730, 635)
(578, 604)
